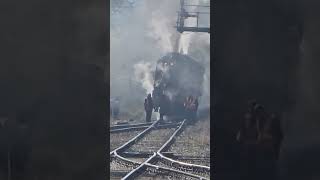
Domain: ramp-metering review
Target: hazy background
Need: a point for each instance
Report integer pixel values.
(142, 32)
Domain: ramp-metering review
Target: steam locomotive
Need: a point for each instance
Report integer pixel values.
(178, 78)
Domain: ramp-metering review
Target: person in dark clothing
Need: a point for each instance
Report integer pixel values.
(191, 107)
(196, 105)
(164, 106)
(266, 151)
(248, 132)
(260, 116)
(187, 106)
(247, 137)
(251, 106)
(148, 106)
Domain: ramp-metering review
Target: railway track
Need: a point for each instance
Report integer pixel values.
(152, 141)
(144, 156)
(192, 146)
(119, 138)
(140, 126)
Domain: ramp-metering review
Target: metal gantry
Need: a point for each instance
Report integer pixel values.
(184, 14)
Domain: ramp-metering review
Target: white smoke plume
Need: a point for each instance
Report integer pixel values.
(159, 30)
(147, 32)
(184, 43)
(143, 74)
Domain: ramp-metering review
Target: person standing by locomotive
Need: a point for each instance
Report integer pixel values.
(148, 106)
(191, 106)
(196, 105)
(165, 106)
(187, 106)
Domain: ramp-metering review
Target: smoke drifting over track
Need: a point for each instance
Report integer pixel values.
(143, 34)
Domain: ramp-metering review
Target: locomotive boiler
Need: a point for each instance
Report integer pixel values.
(177, 78)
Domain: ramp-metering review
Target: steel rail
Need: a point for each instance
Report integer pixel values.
(126, 160)
(134, 125)
(207, 168)
(128, 129)
(134, 138)
(159, 152)
(140, 168)
(166, 144)
(131, 141)
(166, 125)
(176, 171)
(129, 125)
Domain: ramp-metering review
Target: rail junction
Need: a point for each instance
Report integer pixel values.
(145, 154)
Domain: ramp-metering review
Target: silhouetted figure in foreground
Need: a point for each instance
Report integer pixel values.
(266, 151)
(260, 116)
(247, 136)
(251, 106)
(148, 106)
(260, 137)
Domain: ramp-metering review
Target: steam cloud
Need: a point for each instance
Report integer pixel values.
(147, 32)
(143, 74)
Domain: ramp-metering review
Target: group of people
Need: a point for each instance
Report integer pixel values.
(190, 107)
(260, 138)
